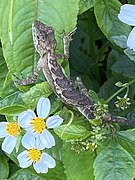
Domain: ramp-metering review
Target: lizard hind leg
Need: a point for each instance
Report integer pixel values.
(81, 86)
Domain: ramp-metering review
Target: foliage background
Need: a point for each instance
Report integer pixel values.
(98, 54)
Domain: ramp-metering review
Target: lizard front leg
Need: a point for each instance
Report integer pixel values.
(66, 41)
(30, 80)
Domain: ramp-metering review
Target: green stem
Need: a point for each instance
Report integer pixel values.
(120, 90)
(127, 91)
(92, 45)
(10, 22)
(71, 120)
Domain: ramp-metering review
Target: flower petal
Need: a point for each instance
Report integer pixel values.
(47, 139)
(39, 144)
(25, 118)
(54, 121)
(24, 160)
(28, 141)
(48, 160)
(30, 129)
(8, 144)
(127, 14)
(40, 167)
(131, 39)
(3, 132)
(43, 107)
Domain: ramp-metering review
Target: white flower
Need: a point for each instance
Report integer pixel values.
(10, 131)
(33, 155)
(37, 125)
(127, 15)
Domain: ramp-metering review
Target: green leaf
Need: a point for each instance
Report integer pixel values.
(12, 110)
(56, 104)
(24, 174)
(3, 70)
(80, 48)
(81, 120)
(85, 5)
(127, 140)
(106, 13)
(131, 113)
(121, 41)
(112, 58)
(11, 98)
(71, 132)
(108, 88)
(8, 83)
(16, 33)
(131, 1)
(78, 166)
(37, 91)
(12, 104)
(4, 167)
(124, 66)
(114, 163)
(61, 15)
(130, 53)
(93, 95)
(64, 113)
(119, 84)
(12, 168)
(65, 67)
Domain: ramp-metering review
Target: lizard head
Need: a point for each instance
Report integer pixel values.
(43, 37)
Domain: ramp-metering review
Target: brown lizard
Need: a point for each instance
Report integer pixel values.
(45, 44)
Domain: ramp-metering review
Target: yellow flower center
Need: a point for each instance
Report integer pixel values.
(13, 129)
(38, 124)
(34, 154)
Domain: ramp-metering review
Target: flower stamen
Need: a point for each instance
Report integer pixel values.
(13, 129)
(38, 124)
(35, 154)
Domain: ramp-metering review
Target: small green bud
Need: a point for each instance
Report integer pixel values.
(123, 102)
(78, 146)
(100, 110)
(91, 145)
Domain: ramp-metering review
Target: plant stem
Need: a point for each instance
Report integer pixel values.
(71, 120)
(92, 45)
(120, 90)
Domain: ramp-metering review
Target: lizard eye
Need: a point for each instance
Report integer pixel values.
(37, 37)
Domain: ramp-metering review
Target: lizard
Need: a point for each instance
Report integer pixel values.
(45, 44)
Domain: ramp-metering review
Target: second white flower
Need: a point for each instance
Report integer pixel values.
(38, 124)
